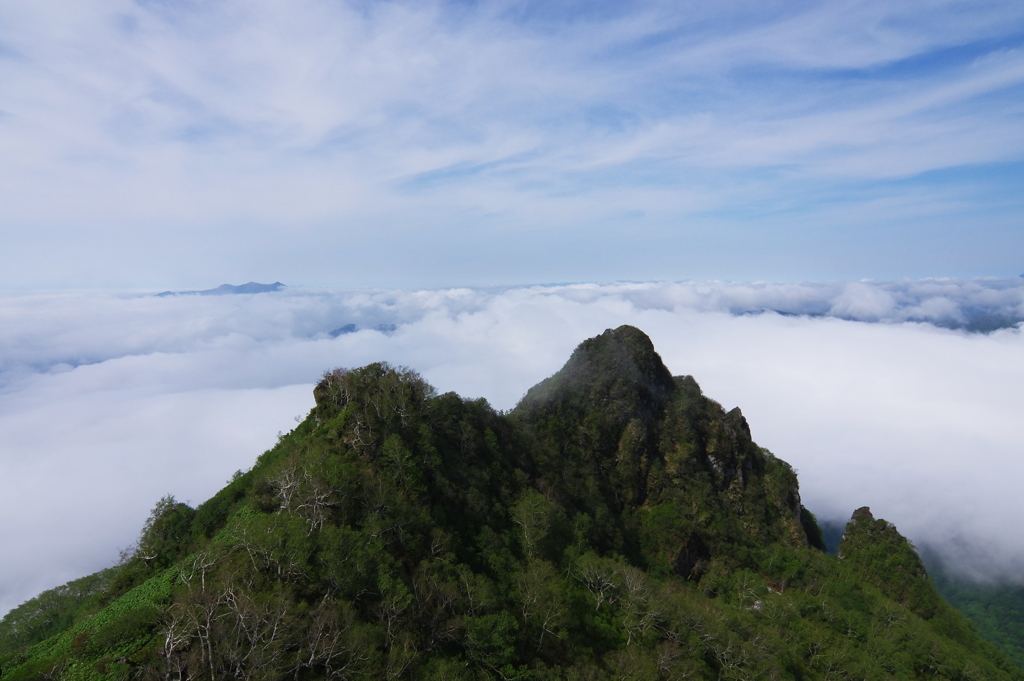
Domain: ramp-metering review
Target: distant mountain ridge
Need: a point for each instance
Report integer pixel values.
(617, 524)
(228, 289)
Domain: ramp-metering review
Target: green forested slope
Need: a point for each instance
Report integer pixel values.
(618, 524)
(54, 611)
(997, 610)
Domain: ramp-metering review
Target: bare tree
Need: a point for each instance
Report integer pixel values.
(543, 602)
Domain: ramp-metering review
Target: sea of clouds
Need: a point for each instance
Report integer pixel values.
(903, 396)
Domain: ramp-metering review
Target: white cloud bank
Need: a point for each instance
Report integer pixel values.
(109, 401)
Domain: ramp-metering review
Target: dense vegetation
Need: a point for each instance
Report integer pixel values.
(54, 611)
(617, 524)
(997, 610)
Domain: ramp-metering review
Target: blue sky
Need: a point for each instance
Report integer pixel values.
(184, 144)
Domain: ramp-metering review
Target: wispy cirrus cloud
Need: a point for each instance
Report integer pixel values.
(141, 132)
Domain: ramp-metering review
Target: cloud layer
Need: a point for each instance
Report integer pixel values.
(109, 401)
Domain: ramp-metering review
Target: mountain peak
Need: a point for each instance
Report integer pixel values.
(618, 369)
(881, 555)
(228, 289)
